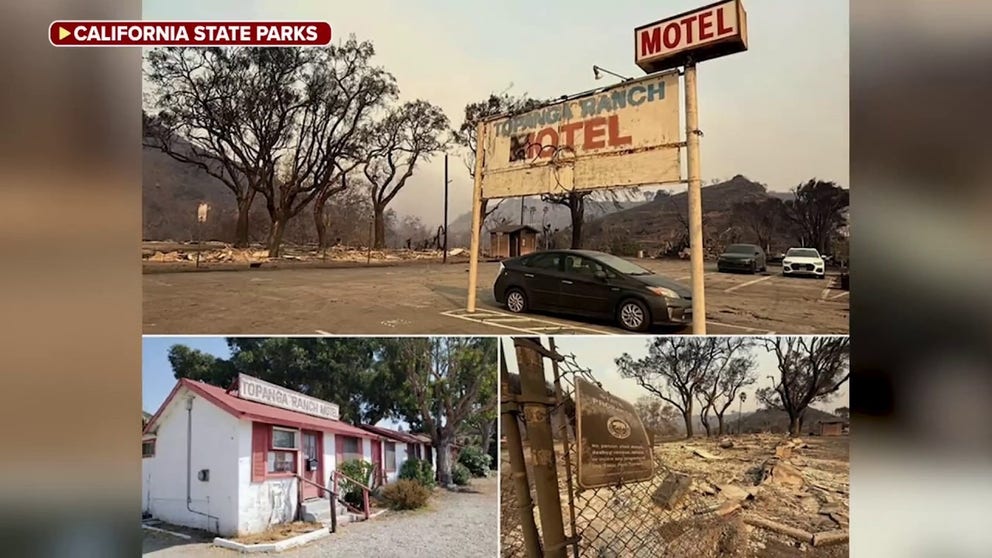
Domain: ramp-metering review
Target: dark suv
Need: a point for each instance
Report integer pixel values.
(742, 257)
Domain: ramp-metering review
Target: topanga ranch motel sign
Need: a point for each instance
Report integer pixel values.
(625, 135)
(259, 391)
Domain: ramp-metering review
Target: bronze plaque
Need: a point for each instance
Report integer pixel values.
(614, 447)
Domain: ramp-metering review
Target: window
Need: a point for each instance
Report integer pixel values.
(147, 448)
(547, 262)
(583, 266)
(390, 456)
(350, 448)
(284, 439)
(281, 462)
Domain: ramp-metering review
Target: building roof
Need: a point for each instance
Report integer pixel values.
(513, 228)
(259, 412)
(404, 437)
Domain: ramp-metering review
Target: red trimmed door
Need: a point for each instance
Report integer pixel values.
(377, 477)
(313, 449)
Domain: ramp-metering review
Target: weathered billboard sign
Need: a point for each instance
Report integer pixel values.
(626, 135)
(260, 391)
(709, 32)
(614, 447)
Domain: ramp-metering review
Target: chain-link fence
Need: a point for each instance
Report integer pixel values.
(676, 513)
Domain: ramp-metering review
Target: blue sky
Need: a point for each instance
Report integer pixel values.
(597, 354)
(157, 379)
(777, 113)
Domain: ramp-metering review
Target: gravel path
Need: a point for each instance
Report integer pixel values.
(454, 525)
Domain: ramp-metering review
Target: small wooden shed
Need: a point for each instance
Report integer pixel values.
(831, 428)
(510, 241)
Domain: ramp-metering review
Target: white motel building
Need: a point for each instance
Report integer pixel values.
(229, 461)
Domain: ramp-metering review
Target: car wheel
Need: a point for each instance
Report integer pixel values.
(754, 268)
(516, 301)
(633, 315)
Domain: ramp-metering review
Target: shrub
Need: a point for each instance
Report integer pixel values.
(475, 461)
(405, 494)
(361, 471)
(460, 474)
(419, 470)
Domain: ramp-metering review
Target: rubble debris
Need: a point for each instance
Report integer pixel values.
(672, 490)
(726, 443)
(784, 451)
(781, 473)
(733, 492)
(828, 538)
(457, 251)
(705, 454)
(798, 534)
(705, 487)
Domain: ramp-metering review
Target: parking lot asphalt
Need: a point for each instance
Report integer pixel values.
(431, 299)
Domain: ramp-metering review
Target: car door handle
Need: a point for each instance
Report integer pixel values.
(566, 282)
(530, 275)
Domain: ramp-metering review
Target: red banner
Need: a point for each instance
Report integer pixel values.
(189, 33)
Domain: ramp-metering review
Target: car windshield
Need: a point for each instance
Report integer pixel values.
(802, 253)
(622, 265)
(740, 249)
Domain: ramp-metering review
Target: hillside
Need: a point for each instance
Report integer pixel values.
(171, 192)
(660, 226)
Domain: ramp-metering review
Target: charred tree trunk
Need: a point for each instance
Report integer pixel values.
(379, 238)
(320, 225)
(719, 424)
(687, 417)
(244, 210)
(577, 211)
(275, 237)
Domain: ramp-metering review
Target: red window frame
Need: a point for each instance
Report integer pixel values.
(261, 448)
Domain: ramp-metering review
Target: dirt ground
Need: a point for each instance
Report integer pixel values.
(727, 493)
(453, 525)
(424, 297)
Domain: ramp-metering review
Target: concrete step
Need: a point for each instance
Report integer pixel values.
(319, 511)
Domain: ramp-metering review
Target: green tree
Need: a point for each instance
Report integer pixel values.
(448, 377)
(352, 372)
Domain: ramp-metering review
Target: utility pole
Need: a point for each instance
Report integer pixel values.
(522, 200)
(473, 262)
(695, 195)
(444, 257)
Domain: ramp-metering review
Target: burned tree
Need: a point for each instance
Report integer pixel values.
(762, 217)
(730, 369)
(407, 135)
(676, 369)
(465, 135)
(810, 369)
(213, 108)
(283, 123)
(817, 212)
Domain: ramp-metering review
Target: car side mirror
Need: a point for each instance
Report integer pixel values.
(601, 275)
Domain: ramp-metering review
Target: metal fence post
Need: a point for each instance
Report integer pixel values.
(534, 393)
(509, 411)
(559, 394)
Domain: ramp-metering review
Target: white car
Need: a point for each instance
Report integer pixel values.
(803, 261)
